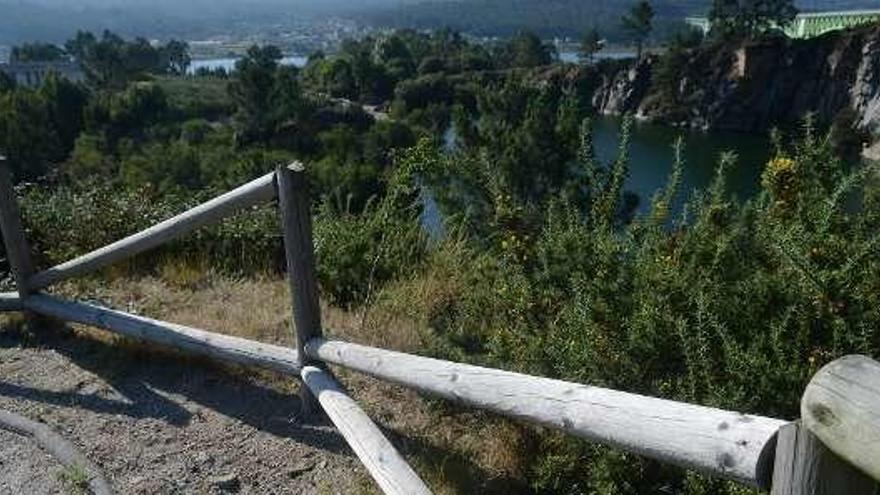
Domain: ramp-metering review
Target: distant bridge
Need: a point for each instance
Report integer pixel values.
(811, 24)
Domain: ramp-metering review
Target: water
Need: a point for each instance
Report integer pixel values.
(228, 64)
(652, 156)
(651, 159)
(611, 54)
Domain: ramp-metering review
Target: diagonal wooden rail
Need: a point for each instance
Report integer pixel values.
(258, 191)
(824, 455)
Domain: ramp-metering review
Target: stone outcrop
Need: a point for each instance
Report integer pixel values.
(757, 86)
(623, 91)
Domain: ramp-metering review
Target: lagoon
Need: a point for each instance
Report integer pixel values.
(652, 157)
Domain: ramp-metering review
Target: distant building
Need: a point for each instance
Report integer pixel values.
(811, 24)
(32, 74)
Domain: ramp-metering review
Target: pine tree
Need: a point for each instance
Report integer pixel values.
(639, 23)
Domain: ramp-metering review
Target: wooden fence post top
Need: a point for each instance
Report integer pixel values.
(841, 406)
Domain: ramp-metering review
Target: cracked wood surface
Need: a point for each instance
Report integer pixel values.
(841, 406)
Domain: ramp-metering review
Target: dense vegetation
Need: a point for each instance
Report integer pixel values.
(541, 265)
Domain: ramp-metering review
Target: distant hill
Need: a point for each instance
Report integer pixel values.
(551, 18)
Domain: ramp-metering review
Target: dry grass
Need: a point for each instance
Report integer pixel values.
(456, 450)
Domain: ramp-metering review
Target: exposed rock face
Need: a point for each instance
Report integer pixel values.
(757, 86)
(866, 90)
(624, 91)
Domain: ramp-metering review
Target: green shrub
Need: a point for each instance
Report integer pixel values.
(357, 253)
(733, 305)
(64, 222)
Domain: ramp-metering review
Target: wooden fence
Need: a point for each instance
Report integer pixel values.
(833, 449)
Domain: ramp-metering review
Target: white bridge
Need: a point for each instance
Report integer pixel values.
(811, 24)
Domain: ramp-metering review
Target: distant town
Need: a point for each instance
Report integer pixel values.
(299, 38)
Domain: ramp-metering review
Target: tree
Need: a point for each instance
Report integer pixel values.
(139, 57)
(112, 61)
(749, 19)
(65, 102)
(175, 57)
(288, 104)
(80, 45)
(126, 113)
(639, 23)
(36, 52)
(27, 136)
(7, 83)
(527, 50)
(393, 53)
(252, 90)
(590, 45)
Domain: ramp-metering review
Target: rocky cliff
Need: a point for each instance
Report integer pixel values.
(755, 86)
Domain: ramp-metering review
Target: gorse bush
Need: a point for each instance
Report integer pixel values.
(734, 305)
(360, 252)
(65, 222)
(357, 251)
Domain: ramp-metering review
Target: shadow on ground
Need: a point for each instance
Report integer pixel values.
(146, 378)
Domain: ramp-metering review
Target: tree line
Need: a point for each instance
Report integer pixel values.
(730, 21)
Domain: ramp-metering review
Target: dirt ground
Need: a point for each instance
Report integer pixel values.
(155, 425)
(26, 468)
(157, 422)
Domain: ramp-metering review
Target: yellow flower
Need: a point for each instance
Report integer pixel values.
(780, 178)
(780, 164)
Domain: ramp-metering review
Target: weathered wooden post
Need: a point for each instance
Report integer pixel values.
(835, 448)
(17, 250)
(296, 220)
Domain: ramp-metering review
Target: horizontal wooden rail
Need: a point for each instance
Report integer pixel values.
(252, 193)
(182, 338)
(10, 301)
(722, 443)
(382, 460)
